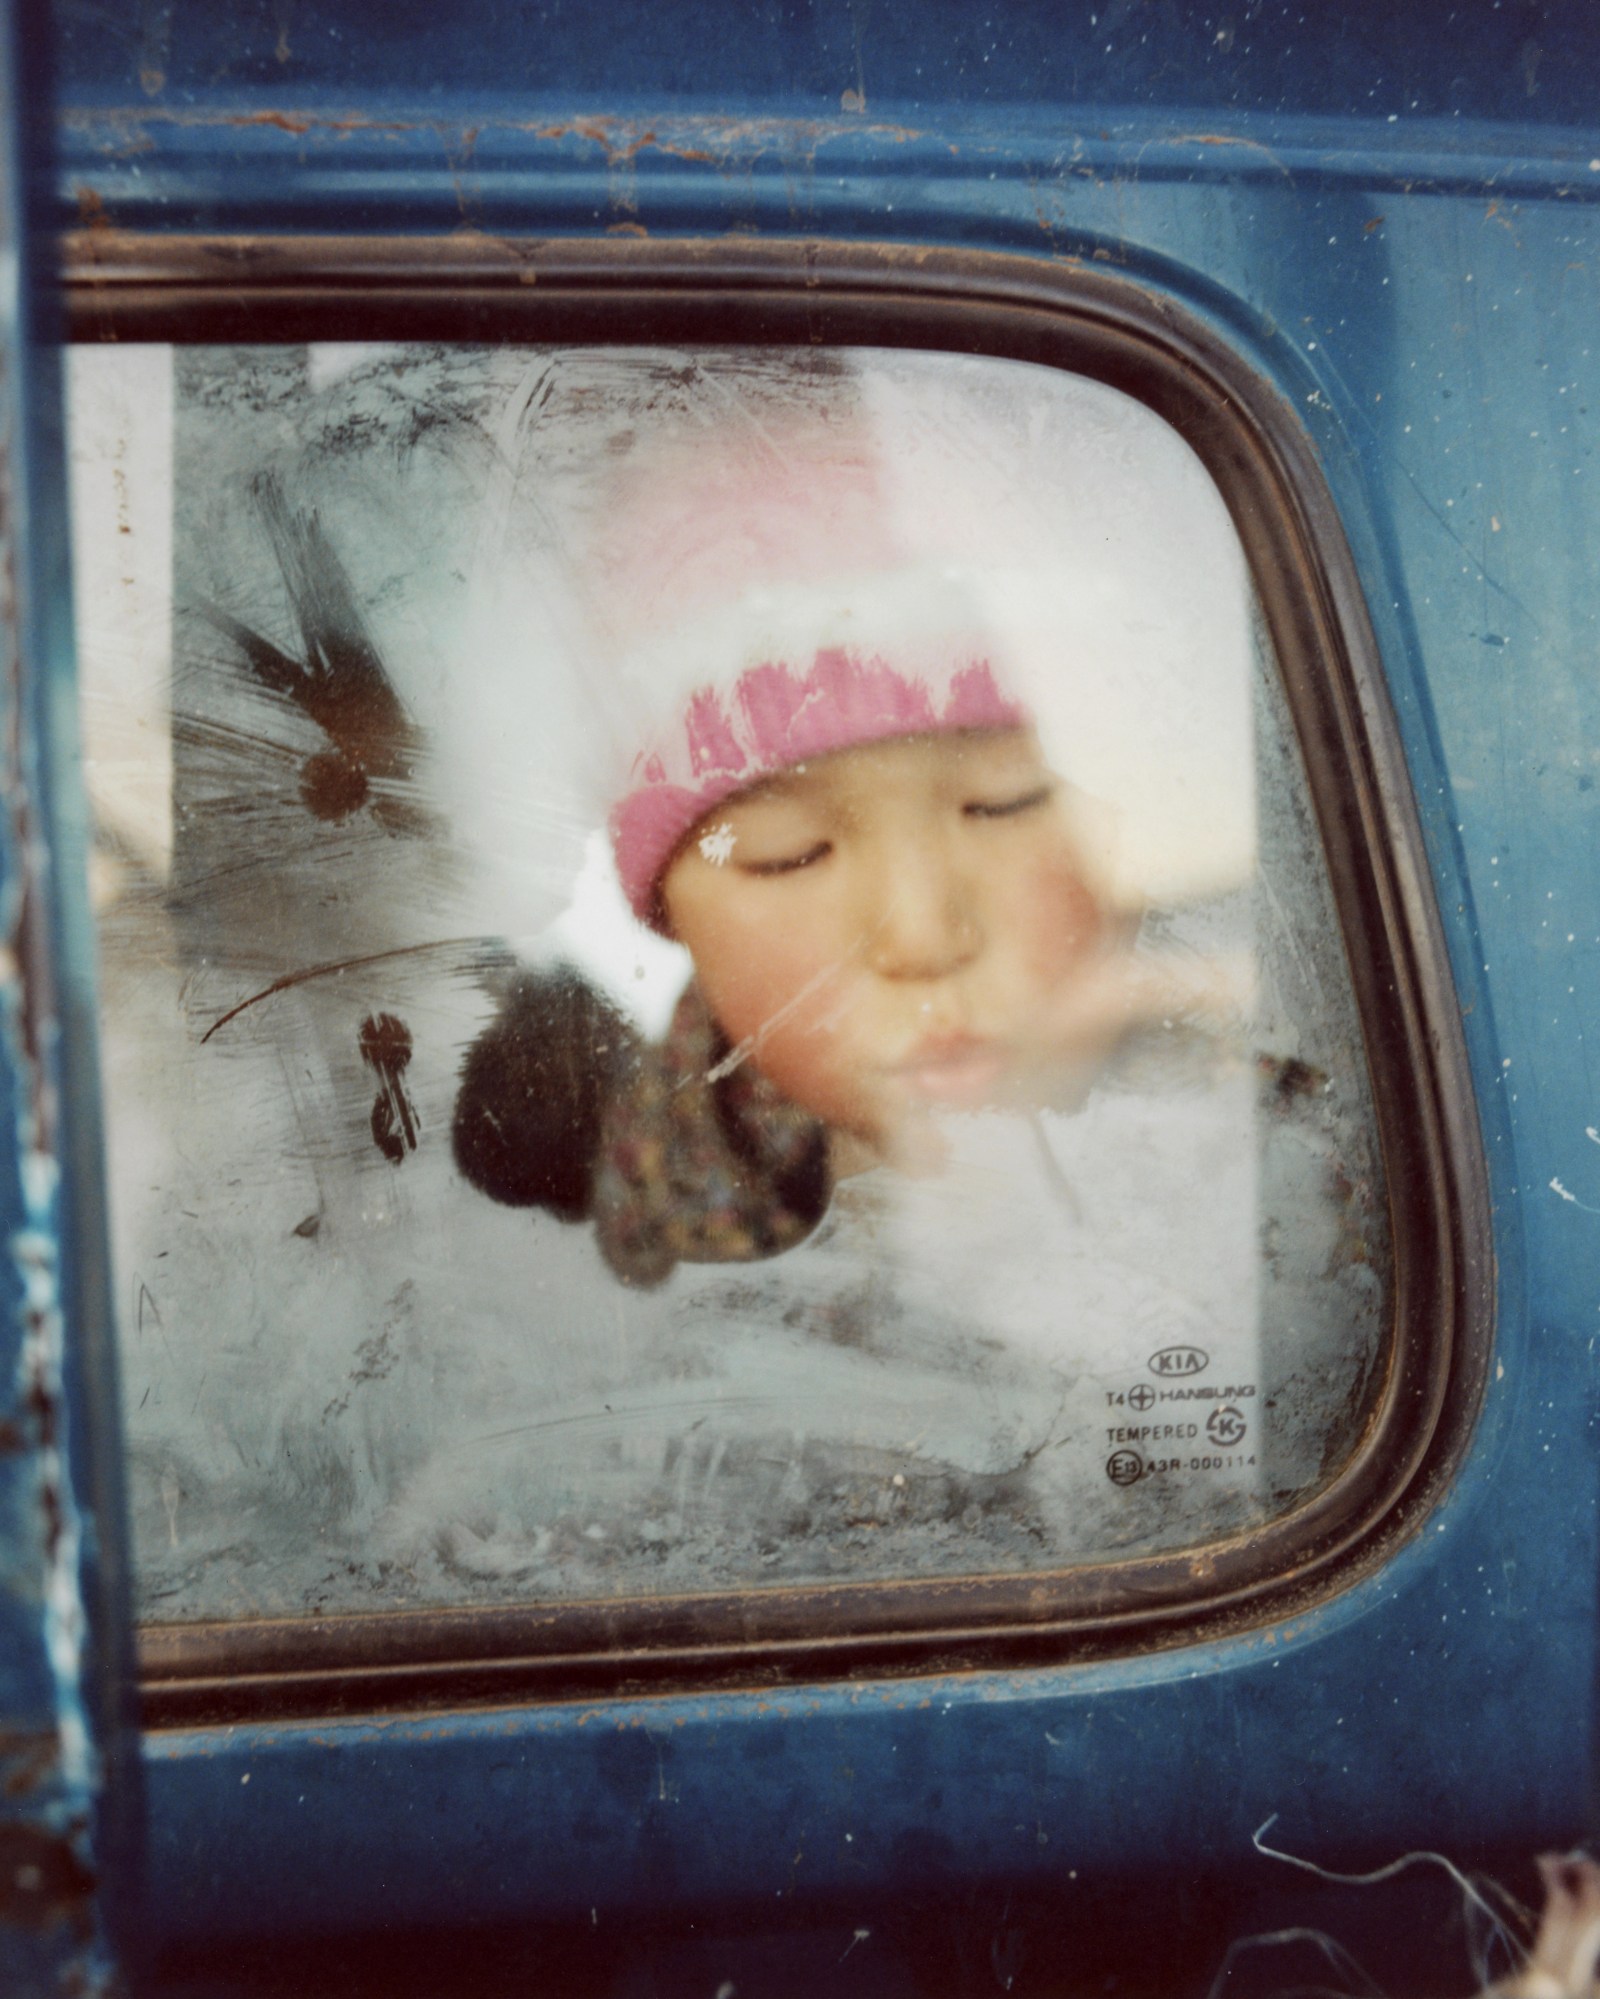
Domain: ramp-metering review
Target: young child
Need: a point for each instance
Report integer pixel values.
(841, 808)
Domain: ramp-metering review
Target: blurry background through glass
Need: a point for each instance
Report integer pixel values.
(390, 656)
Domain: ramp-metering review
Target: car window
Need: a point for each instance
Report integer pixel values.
(717, 972)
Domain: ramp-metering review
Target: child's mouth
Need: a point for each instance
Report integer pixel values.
(955, 1069)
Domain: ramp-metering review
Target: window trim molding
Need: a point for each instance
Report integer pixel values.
(1097, 323)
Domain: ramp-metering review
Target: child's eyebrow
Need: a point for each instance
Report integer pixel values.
(781, 784)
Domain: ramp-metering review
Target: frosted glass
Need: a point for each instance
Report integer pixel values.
(1083, 1248)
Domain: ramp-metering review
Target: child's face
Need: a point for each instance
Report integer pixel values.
(890, 929)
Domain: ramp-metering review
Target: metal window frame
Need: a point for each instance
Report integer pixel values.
(1093, 322)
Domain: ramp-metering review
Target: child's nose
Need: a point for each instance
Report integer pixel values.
(925, 918)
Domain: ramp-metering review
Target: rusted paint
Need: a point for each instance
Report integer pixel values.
(43, 1882)
(281, 119)
(47, 1773)
(720, 142)
(1232, 139)
(618, 151)
(717, 142)
(91, 210)
(27, 1761)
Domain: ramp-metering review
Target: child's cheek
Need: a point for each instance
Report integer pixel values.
(792, 1004)
(1057, 919)
(767, 978)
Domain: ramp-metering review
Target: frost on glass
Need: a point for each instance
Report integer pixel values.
(715, 972)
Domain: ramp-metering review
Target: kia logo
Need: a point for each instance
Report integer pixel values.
(1179, 1360)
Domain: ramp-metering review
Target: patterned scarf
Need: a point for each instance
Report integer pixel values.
(700, 1162)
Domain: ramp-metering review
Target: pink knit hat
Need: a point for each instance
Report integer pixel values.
(771, 607)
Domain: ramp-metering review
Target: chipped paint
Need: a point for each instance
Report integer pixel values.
(30, 1028)
(706, 140)
(49, 1768)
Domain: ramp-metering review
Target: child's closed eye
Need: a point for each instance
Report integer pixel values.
(789, 864)
(1009, 808)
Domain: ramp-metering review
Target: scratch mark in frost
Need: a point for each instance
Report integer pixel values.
(752, 1043)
